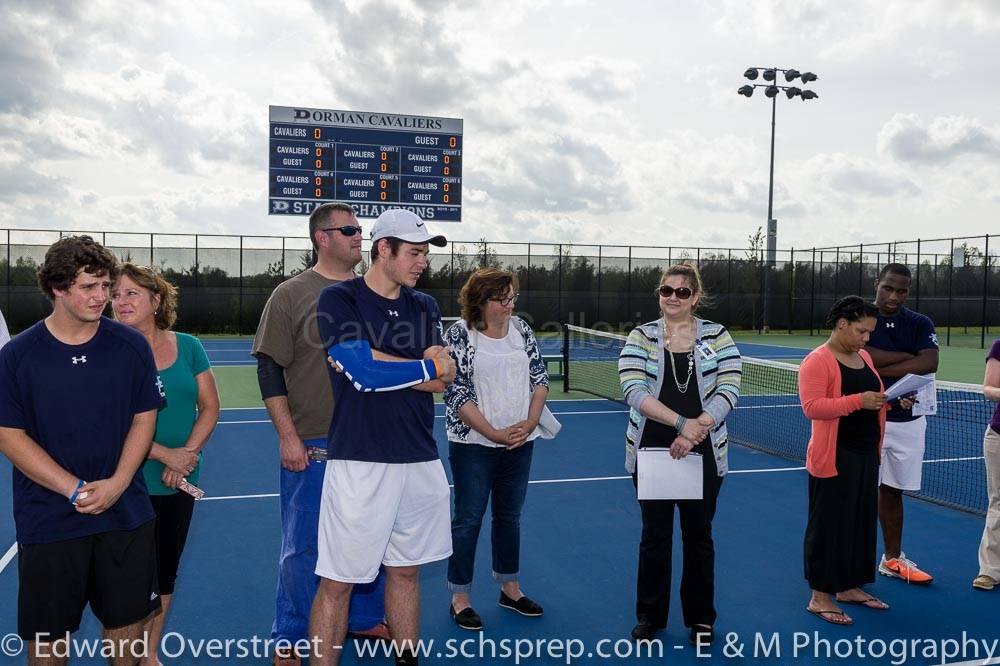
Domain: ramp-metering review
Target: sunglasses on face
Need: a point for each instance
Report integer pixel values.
(347, 231)
(666, 291)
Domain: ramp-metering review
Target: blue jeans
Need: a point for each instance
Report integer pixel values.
(297, 579)
(478, 472)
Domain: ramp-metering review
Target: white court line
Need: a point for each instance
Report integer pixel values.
(940, 460)
(238, 497)
(6, 559)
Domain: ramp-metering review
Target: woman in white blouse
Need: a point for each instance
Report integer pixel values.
(493, 410)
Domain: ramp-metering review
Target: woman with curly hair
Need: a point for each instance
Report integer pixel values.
(493, 410)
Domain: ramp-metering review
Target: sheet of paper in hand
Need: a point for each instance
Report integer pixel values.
(662, 477)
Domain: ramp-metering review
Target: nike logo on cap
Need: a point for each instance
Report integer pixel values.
(420, 224)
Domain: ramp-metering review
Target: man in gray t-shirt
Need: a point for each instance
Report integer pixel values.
(292, 373)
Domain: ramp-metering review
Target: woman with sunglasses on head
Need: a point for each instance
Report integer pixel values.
(144, 300)
(681, 377)
(493, 411)
(842, 394)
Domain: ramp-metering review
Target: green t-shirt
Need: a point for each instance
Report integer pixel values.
(175, 421)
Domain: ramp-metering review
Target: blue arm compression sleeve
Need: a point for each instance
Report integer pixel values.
(355, 359)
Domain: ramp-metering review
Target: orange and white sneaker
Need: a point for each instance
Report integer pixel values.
(900, 567)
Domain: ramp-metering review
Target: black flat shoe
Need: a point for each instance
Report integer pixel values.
(524, 605)
(702, 634)
(644, 630)
(467, 619)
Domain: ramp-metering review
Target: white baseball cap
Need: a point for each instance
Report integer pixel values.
(406, 226)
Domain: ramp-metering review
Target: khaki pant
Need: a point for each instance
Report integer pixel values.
(989, 547)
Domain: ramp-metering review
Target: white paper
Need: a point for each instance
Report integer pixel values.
(662, 477)
(909, 384)
(926, 404)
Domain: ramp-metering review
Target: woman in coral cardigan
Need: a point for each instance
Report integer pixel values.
(843, 396)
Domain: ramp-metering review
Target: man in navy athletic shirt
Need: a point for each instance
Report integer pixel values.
(78, 399)
(902, 343)
(385, 496)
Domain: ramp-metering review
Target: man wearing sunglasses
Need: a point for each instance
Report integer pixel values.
(291, 371)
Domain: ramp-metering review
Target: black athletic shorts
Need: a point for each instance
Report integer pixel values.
(173, 518)
(114, 571)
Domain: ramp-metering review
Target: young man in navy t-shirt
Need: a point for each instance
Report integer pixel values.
(78, 399)
(902, 343)
(385, 496)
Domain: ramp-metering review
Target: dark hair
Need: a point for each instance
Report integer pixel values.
(693, 276)
(65, 258)
(154, 283)
(394, 245)
(484, 284)
(851, 308)
(323, 214)
(895, 269)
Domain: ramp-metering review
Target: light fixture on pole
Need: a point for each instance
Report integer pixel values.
(771, 91)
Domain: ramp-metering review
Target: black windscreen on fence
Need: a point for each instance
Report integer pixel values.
(224, 281)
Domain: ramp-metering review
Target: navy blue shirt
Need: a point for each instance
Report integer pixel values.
(389, 427)
(905, 331)
(77, 403)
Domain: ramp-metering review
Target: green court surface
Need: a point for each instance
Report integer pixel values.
(957, 364)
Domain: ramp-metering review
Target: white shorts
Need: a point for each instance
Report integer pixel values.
(379, 513)
(903, 454)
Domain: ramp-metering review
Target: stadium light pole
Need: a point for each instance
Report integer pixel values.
(771, 90)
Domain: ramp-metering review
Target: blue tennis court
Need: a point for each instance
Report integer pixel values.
(579, 546)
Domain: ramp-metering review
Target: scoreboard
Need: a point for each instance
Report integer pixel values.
(373, 161)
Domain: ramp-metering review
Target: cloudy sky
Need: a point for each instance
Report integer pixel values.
(585, 121)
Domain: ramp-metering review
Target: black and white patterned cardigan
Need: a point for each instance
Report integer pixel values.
(462, 389)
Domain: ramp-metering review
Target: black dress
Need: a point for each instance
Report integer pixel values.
(841, 534)
(698, 575)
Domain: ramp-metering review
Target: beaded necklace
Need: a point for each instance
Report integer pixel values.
(682, 387)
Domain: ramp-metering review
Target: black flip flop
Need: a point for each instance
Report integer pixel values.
(865, 602)
(822, 614)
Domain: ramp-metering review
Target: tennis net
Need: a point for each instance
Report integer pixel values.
(769, 417)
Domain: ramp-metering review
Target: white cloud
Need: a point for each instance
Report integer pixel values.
(906, 138)
(583, 122)
(853, 177)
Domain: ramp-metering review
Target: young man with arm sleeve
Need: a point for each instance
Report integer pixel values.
(291, 372)
(385, 496)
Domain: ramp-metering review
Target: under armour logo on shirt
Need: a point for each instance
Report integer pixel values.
(394, 313)
(890, 324)
(79, 359)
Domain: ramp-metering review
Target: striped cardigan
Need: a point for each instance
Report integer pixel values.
(641, 372)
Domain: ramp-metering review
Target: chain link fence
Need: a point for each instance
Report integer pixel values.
(224, 281)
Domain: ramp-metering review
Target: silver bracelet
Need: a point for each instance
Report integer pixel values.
(679, 424)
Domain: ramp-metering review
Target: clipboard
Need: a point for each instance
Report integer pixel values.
(660, 477)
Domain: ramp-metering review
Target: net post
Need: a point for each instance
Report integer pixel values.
(565, 355)
(951, 278)
(986, 293)
(791, 291)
